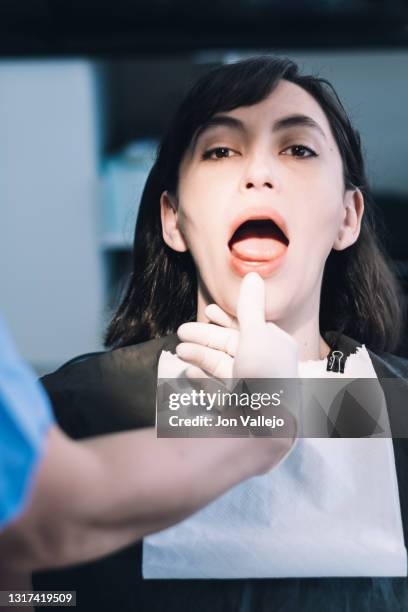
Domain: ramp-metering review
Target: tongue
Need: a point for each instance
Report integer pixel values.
(257, 244)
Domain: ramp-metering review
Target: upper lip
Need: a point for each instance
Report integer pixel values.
(261, 213)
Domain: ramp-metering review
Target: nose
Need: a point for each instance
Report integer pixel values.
(258, 173)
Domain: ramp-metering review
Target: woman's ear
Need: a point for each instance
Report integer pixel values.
(172, 235)
(350, 227)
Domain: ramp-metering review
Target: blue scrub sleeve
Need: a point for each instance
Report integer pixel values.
(25, 418)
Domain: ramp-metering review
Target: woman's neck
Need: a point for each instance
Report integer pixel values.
(304, 329)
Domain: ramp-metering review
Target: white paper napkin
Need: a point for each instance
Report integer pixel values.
(331, 508)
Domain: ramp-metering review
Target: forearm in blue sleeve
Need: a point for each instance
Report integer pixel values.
(25, 417)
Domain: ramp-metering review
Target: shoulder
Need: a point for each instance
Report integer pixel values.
(392, 365)
(128, 358)
(109, 391)
(386, 365)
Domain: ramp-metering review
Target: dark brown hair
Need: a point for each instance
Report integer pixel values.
(360, 295)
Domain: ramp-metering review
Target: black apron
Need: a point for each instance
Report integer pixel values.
(115, 391)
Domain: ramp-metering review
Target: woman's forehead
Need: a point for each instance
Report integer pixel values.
(287, 99)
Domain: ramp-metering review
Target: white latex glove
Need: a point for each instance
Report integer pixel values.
(246, 347)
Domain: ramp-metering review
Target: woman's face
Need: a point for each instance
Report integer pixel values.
(252, 169)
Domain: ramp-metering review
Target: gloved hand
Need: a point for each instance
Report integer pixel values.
(246, 347)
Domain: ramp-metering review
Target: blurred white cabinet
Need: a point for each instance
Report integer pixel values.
(50, 269)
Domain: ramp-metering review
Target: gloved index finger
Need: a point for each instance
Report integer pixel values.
(207, 334)
(251, 302)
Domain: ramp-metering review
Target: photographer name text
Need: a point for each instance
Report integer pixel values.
(209, 421)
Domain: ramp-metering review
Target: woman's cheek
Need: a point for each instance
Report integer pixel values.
(327, 218)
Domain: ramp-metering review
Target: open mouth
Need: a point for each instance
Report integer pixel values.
(258, 240)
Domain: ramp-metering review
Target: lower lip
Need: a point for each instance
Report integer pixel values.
(263, 268)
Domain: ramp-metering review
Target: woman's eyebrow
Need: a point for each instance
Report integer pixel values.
(297, 120)
(281, 124)
(217, 121)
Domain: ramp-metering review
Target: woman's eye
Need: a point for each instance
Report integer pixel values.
(217, 153)
(300, 151)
